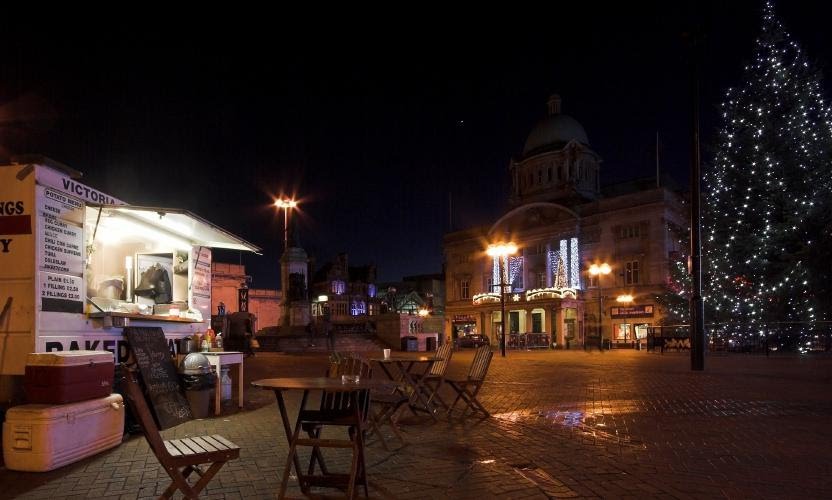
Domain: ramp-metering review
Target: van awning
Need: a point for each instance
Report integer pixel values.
(180, 224)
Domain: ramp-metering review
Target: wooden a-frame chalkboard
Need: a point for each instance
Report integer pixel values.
(150, 350)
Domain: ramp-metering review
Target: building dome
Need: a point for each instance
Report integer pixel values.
(555, 130)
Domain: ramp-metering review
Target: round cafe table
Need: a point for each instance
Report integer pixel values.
(307, 384)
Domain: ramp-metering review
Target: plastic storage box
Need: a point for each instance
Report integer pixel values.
(68, 376)
(38, 437)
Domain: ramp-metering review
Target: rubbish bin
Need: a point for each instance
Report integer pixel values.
(430, 344)
(410, 344)
(199, 381)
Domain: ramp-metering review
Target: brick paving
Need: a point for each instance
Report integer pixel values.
(565, 424)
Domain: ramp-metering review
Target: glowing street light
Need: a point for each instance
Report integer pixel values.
(501, 251)
(286, 204)
(596, 269)
(599, 270)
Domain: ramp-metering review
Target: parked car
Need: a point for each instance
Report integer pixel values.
(474, 340)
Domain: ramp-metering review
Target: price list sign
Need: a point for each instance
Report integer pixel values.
(60, 251)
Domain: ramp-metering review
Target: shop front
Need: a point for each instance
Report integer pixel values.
(630, 324)
(463, 325)
(530, 323)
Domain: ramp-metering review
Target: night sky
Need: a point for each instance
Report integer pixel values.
(373, 120)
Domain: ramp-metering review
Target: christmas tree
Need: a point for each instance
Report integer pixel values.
(560, 282)
(766, 197)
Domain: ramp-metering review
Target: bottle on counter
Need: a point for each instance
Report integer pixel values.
(205, 346)
(219, 341)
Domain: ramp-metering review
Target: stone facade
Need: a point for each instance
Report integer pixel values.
(294, 276)
(226, 279)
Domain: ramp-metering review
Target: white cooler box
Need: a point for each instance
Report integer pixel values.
(39, 437)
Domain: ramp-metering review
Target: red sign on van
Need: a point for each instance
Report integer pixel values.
(16, 224)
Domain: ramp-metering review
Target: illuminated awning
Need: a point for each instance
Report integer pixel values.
(177, 223)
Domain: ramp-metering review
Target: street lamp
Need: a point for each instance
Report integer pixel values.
(501, 251)
(598, 270)
(285, 204)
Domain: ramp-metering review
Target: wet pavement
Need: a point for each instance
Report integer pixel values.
(565, 424)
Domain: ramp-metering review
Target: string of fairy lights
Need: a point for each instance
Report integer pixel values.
(563, 263)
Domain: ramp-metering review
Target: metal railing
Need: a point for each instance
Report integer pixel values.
(529, 340)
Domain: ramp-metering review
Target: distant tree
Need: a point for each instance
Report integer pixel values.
(674, 300)
(767, 195)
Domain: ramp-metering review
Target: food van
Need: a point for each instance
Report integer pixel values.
(77, 265)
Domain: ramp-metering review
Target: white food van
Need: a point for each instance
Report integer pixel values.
(77, 265)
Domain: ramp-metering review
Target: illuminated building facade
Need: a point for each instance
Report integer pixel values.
(346, 293)
(563, 222)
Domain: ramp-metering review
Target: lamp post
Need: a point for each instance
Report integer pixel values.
(501, 251)
(285, 204)
(598, 270)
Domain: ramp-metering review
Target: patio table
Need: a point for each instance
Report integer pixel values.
(307, 384)
(413, 389)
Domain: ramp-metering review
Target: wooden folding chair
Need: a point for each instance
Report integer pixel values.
(179, 457)
(432, 381)
(387, 404)
(337, 409)
(468, 387)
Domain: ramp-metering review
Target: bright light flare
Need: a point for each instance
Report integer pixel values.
(596, 269)
(285, 203)
(501, 249)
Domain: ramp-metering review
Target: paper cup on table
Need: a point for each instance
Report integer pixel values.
(387, 354)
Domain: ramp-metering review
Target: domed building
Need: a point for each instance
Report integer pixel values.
(557, 162)
(563, 223)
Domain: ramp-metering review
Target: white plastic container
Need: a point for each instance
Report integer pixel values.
(39, 437)
(225, 380)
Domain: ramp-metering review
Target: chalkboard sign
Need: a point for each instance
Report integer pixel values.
(150, 350)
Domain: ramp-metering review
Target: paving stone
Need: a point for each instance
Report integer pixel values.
(623, 424)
